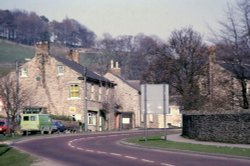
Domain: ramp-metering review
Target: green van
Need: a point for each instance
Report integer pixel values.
(33, 122)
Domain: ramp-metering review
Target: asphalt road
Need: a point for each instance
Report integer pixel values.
(105, 149)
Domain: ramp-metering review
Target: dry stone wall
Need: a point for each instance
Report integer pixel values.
(230, 128)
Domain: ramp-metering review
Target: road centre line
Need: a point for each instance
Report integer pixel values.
(130, 157)
(148, 161)
(115, 154)
(101, 152)
(165, 164)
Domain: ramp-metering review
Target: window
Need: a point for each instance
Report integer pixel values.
(169, 112)
(92, 118)
(26, 118)
(32, 118)
(60, 70)
(92, 97)
(23, 72)
(74, 91)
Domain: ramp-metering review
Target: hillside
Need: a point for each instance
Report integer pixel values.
(10, 52)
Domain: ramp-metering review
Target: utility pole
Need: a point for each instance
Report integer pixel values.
(145, 113)
(85, 101)
(17, 86)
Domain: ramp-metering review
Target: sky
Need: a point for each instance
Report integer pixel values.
(130, 17)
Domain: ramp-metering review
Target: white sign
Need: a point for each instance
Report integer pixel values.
(125, 120)
(152, 97)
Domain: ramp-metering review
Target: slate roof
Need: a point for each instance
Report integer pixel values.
(135, 84)
(91, 76)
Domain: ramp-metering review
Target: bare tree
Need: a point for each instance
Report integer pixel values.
(233, 46)
(181, 66)
(10, 95)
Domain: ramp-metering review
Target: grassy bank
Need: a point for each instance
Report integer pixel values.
(157, 142)
(10, 156)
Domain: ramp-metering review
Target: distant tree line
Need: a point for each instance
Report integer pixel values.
(29, 28)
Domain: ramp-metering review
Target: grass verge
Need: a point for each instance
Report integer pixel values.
(157, 142)
(10, 156)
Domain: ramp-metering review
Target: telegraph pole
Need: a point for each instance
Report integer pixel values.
(85, 101)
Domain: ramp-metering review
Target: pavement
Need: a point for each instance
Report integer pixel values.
(179, 138)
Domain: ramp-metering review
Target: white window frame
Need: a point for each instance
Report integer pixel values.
(92, 118)
(23, 72)
(60, 70)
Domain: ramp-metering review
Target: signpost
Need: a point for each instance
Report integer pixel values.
(154, 100)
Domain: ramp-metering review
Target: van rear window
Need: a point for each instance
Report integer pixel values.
(26, 118)
(32, 118)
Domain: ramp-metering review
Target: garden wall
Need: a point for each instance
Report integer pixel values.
(231, 128)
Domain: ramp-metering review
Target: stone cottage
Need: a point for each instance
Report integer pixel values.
(128, 106)
(54, 84)
(126, 98)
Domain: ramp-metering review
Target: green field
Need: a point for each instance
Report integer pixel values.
(10, 52)
(157, 142)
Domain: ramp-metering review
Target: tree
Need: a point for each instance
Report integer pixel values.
(181, 66)
(233, 46)
(72, 33)
(12, 99)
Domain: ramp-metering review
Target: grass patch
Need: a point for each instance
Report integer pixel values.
(9, 137)
(157, 142)
(10, 156)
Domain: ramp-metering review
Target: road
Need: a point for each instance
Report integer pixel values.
(105, 149)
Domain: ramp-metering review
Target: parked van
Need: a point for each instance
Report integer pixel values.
(33, 122)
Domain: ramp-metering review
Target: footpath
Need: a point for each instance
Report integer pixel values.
(179, 138)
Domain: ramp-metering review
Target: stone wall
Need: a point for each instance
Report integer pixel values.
(231, 128)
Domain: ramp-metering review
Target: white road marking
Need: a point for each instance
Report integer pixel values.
(115, 154)
(88, 150)
(80, 148)
(101, 152)
(130, 157)
(102, 136)
(165, 164)
(148, 161)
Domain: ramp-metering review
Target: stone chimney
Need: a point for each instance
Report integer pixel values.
(114, 68)
(74, 55)
(42, 48)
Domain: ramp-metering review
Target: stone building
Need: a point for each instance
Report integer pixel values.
(221, 86)
(128, 106)
(127, 99)
(54, 85)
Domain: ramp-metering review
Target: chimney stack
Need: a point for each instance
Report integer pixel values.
(42, 48)
(74, 55)
(115, 68)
